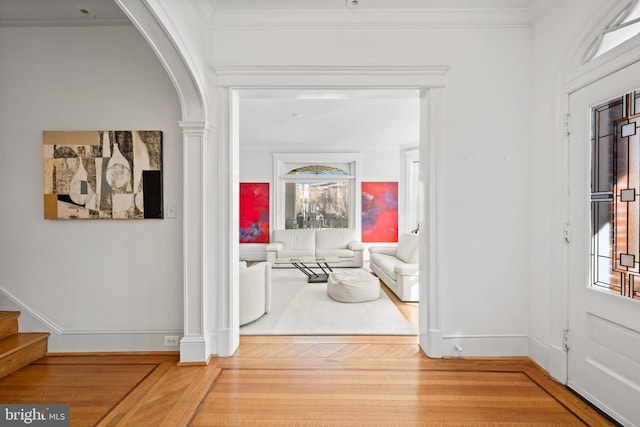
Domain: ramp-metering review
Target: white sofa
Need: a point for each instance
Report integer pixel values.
(341, 244)
(397, 266)
(255, 291)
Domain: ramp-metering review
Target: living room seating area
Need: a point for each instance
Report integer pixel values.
(341, 247)
(397, 266)
(255, 291)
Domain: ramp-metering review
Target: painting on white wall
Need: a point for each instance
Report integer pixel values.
(102, 174)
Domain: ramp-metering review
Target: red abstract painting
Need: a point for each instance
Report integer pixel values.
(379, 211)
(254, 212)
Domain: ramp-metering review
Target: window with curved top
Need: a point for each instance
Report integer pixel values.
(322, 203)
(312, 194)
(625, 26)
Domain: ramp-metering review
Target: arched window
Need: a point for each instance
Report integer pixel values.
(321, 202)
(316, 190)
(625, 26)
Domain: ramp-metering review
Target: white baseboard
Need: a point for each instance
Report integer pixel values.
(432, 344)
(71, 341)
(226, 343)
(30, 320)
(484, 345)
(114, 341)
(558, 364)
(194, 349)
(538, 353)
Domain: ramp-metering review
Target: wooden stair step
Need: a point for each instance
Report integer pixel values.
(8, 323)
(19, 350)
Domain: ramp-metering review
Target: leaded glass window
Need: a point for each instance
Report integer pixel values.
(615, 196)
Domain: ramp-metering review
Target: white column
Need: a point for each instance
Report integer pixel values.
(195, 345)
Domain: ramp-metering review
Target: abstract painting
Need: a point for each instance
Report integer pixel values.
(102, 174)
(379, 211)
(254, 212)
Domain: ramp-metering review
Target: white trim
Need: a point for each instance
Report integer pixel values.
(79, 340)
(327, 76)
(46, 323)
(195, 349)
(389, 19)
(152, 24)
(539, 9)
(410, 187)
(432, 124)
(538, 352)
(431, 139)
(573, 76)
(66, 22)
(558, 367)
(484, 345)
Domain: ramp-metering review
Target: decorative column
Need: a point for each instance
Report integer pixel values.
(195, 345)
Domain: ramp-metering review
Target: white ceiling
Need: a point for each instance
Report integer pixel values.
(369, 4)
(285, 119)
(60, 12)
(106, 12)
(288, 120)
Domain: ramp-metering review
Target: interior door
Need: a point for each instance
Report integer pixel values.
(604, 253)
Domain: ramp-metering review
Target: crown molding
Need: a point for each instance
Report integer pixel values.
(339, 75)
(66, 22)
(541, 8)
(370, 19)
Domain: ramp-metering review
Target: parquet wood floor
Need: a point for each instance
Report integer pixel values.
(301, 381)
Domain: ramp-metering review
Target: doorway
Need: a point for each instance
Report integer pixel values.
(345, 137)
(428, 80)
(603, 312)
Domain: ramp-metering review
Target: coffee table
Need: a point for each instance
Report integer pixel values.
(304, 264)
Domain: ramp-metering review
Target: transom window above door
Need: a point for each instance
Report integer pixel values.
(624, 26)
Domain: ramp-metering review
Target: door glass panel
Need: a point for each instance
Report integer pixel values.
(615, 197)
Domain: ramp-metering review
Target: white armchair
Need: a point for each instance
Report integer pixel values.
(255, 291)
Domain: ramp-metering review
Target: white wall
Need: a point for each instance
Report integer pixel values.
(482, 182)
(558, 44)
(256, 165)
(101, 285)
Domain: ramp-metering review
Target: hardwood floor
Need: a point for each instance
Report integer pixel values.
(301, 381)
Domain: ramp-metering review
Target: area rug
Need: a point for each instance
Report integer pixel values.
(301, 308)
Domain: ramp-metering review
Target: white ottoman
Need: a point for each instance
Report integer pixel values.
(355, 285)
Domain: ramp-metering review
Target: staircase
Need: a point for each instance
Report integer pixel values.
(18, 349)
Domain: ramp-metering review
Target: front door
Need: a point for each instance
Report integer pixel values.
(604, 253)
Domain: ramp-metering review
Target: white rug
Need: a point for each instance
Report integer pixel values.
(301, 308)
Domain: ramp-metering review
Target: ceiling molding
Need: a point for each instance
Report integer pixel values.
(541, 8)
(65, 22)
(291, 76)
(366, 4)
(370, 19)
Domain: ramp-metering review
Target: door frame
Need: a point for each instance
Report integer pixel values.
(428, 79)
(573, 76)
(603, 309)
